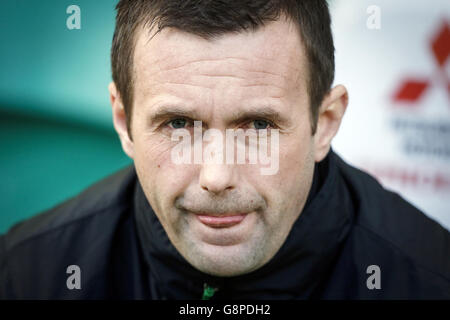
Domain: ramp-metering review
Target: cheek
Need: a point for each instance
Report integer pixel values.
(286, 188)
(294, 154)
(162, 179)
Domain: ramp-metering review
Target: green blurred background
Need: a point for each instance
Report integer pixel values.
(55, 120)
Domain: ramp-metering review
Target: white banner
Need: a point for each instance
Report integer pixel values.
(394, 58)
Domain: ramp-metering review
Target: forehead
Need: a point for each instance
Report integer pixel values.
(271, 55)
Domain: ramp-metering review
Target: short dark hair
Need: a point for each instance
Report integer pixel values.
(210, 18)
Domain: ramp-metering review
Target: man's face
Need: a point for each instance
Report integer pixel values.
(238, 80)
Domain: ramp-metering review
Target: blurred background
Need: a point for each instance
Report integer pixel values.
(394, 59)
(55, 120)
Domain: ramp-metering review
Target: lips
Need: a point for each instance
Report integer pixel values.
(224, 221)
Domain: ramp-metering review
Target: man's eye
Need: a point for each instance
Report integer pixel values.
(177, 123)
(260, 124)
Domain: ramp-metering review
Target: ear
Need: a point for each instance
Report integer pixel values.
(120, 120)
(331, 112)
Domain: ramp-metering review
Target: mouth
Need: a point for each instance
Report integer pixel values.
(222, 229)
(222, 221)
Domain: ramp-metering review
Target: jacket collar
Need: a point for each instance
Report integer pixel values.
(298, 270)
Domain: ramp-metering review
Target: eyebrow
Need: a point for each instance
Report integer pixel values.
(166, 112)
(265, 112)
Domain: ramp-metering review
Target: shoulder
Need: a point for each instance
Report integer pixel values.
(395, 230)
(110, 192)
(77, 231)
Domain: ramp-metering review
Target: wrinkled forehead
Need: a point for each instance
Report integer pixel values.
(274, 49)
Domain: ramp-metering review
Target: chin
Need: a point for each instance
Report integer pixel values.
(224, 270)
(225, 261)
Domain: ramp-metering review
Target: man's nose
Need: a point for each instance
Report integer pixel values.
(216, 178)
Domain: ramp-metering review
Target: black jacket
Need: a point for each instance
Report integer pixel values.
(348, 224)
